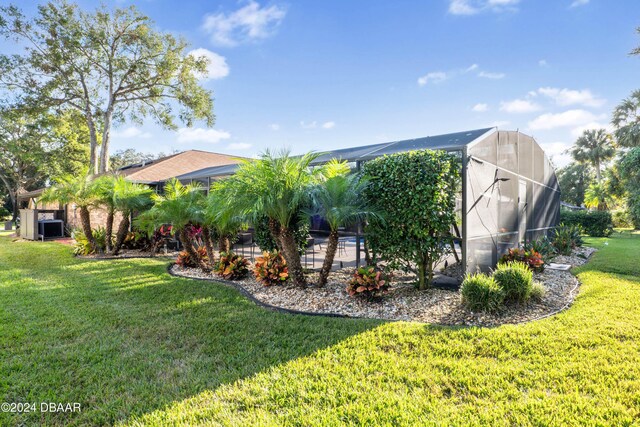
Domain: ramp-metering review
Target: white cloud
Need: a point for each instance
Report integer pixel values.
(577, 3)
(217, 67)
(249, 23)
(328, 125)
(557, 152)
(239, 146)
(480, 108)
(131, 132)
(472, 7)
(308, 125)
(274, 126)
(500, 123)
(565, 97)
(519, 106)
(434, 77)
(577, 131)
(211, 136)
(472, 67)
(543, 63)
(494, 76)
(569, 118)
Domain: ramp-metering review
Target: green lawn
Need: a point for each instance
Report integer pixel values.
(136, 346)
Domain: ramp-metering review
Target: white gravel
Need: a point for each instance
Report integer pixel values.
(405, 302)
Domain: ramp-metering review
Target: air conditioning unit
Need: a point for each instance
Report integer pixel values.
(51, 228)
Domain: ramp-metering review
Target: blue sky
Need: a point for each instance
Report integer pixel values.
(316, 75)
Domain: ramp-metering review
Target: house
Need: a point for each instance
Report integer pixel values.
(153, 173)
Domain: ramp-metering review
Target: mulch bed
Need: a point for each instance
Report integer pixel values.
(404, 301)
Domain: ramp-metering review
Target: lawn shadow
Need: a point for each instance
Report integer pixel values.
(125, 338)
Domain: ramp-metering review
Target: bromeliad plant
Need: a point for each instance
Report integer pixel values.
(271, 269)
(567, 238)
(530, 257)
(368, 281)
(231, 266)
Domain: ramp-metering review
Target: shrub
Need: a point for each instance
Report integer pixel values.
(415, 194)
(541, 245)
(531, 258)
(4, 213)
(621, 218)
(538, 291)
(82, 246)
(267, 243)
(481, 293)
(136, 240)
(271, 269)
(232, 266)
(516, 280)
(566, 238)
(185, 260)
(594, 223)
(368, 281)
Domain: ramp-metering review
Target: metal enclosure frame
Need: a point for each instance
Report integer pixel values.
(496, 167)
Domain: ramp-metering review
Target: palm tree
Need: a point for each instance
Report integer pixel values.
(594, 147)
(626, 119)
(338, 199)
(81, 191)
(220, 218)
(597, 197)
(105, 186)
(276, 187)
(128, 198)
(180, 205)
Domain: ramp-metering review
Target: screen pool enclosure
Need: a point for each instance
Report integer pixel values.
(509, 188)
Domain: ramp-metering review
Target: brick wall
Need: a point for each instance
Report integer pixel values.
(98, 218)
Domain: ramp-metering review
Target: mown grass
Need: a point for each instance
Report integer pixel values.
(138, 347)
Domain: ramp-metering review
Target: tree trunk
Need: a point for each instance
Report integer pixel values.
(109, 230)
(292, 256)
(425, 272)
(598, 174)
(208, 244)
(106, 137)
(223, 244)
(188, 246)
(93, 138)
(332, 246)
(85, 221)
(123, 229)
(274, 228)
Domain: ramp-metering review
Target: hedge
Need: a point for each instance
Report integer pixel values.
(593, 223)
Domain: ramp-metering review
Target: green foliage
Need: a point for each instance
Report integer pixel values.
(529, 256)
(137, 240)
(567, 237)
(627, 122)
(117, 193)
(415, 194)
(180, 205)
(81, 244)
(598, 197)
(542, 245)
(629, 166)
(369, 282)
(80, 190)
(271, 269)
(574, 180)
(593, 223)
(186, 261)
(516, 280)
(538, 291)
(594, 147)
(110, 65)
(266, 242)
(621, 218)
(481, 293)
(131, 156)
(232, 266)
(4, 213)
